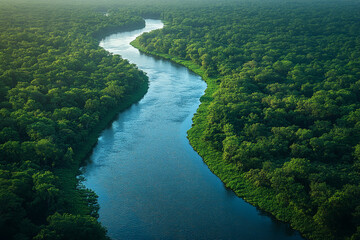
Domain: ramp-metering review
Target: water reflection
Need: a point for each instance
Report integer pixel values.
(151, 183)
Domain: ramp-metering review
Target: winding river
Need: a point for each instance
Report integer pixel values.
(151, 183)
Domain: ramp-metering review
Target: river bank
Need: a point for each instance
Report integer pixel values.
(80, 200)
(150, 182)
(68, 177)
(259, 197)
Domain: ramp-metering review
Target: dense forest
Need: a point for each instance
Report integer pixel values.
(280, 120)
(57, 87)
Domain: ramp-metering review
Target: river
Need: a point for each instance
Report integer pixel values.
(150, 182)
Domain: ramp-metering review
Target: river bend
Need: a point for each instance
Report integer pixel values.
(151, 183)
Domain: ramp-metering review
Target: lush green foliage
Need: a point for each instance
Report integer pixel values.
(56, 86)
(279, 122)
(284, 120)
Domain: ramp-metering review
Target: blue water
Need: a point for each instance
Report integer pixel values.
(151, 183)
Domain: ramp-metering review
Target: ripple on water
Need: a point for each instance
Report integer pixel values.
(151, 183)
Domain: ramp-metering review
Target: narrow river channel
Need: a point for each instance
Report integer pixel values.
(151, 183)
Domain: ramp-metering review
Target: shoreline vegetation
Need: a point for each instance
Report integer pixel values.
(58, 91)
(213, 158)
(279, 120)
(69, 177)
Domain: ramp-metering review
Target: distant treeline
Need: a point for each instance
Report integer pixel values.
(284, 117)
(280, 124)
(56, 86)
